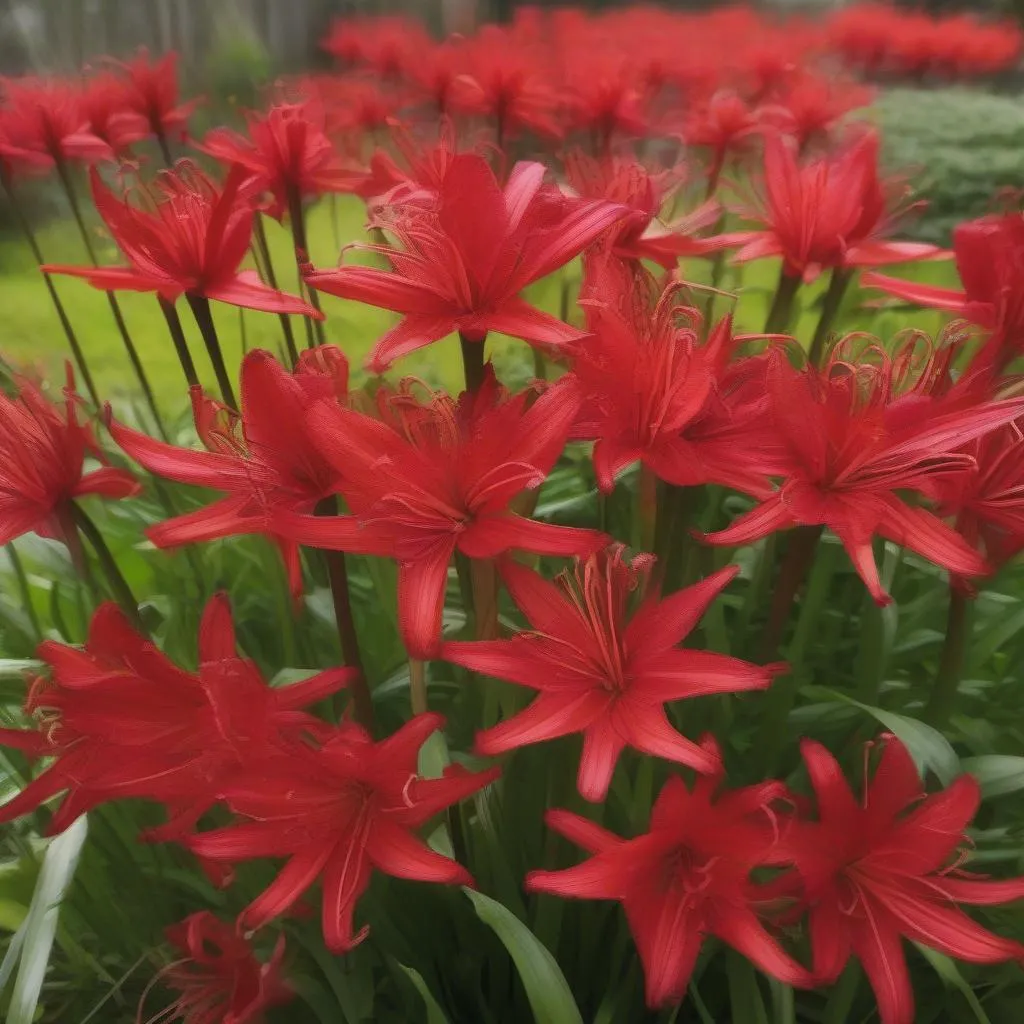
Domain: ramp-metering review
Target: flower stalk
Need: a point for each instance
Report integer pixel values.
(472, 360)
(942, 699)
(200, 307)
(837, 285)
(263, 248)
(188, 367)
(796, 563)
(297, 218)
(781, 311)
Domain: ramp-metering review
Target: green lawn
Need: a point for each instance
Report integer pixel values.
(31, 334)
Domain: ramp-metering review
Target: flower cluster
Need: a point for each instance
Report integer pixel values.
(629, 631)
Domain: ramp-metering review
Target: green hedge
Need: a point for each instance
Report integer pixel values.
(963, 147)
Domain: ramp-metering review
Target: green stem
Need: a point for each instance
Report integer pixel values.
(840, 1000)
(268, 265)
(297, 217)
(781, 697)
(118, 584)
(337, 575)
(484, 578)
(472, 360)
(782, 304)
(837, 285)
(165, 149)
(115, 306)
(65, 322)
(417, 686)
(25, 592)
(951, 664)
(647, 507)
(200, 306)
(180, 344)
(796, 563)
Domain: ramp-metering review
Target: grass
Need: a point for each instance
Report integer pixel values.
(32, 337)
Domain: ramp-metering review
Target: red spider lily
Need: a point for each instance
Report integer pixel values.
(986, 498)
(121, 720)
(650, 390)
(506, 83)
(287, 152)
(811, 107)
(388, 45)
(339, 812)
(42, 464)
(153, 92)
(219, 979)
(604, 98)
(262, 459)
(104, 105)
(436, 73)
(990, 261)
(452, 276)
(427, 479)
(722, 126)
(44, 118)
(353, 104)
(686, 878)
(601, 671)
(885, 867)
(831, 212)
(417, 180)
(640, 235)
(854, 436)
(14, 157)
(190, 243)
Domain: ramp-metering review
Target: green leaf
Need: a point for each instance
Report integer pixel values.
(950, 974)
(927, 746)
(997, 774)
(435, 1015)
(546, 988)
(15, 667)
(745, 1002)
(59, 863)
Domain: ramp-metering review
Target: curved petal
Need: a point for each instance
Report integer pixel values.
(741, 929)
(398, 853)
(647, 729)
(490, 536)
(247, 290)
(581, 831)
(301, 871)
(518, 319)
(602, 745)
(768, 517)
(335, 533)
(408, 335)
(547, 718)
(421, 590)
(109, 482)
(836, 804)
(224, 518)
(879, 949)
(928, 295)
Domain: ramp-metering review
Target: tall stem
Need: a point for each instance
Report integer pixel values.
(200, 306)
(180, 344)
(417, 686)
(118, 584)
(337, 576)
(647, 507)
(485, 597)
(837, 285)
(37, 254)
(782, 304)
(165, 148)
(942, 701)
(24, 591)
(268, 265)
(796, 563)
(297, 216)
(115, 307)
(472, 360)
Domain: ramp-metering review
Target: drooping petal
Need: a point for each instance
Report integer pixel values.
(421, 590)
(647, 728)
(922, 531)
(928, 295)
(301, 871)
(768, 517)
(346, 877)
(225, 518)
(581, 831)
(109, 482)
(397, 852)
(602, 745)
(879, 948)
(248, 291)
(741, 929)
(412, 333)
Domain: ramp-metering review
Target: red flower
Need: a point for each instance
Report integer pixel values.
(287, 152)
(640, 235)
(986, 498)
(812, 106)
(418, 182)
(990, 261)
(686, 878)
(649, 390)
(508, 84)
(724, 125)
(830, 212)
(219, 978)
(340, 812)
(105, 107)
(462, 267)
(885, 867)
(153, 93)
(854, 436)
(604, 97)
(263, 459)
(192, 243)
(42, 456)
(121, 720)
(44, 122)
(431, 478)
(388, 45)
(601, 671)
